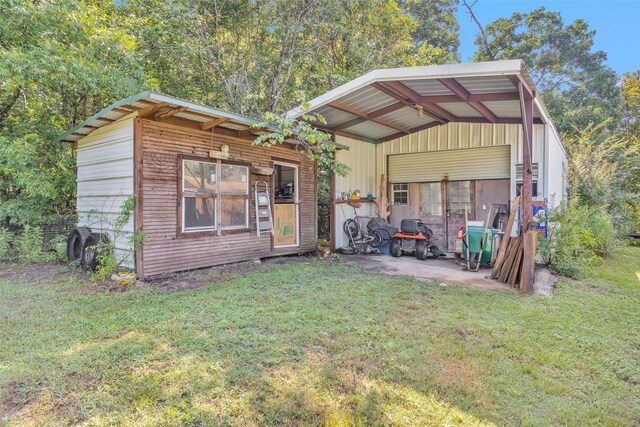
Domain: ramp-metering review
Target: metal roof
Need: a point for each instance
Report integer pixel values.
(161, 106)
(387, 104)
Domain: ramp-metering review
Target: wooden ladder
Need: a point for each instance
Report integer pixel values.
(264, 218)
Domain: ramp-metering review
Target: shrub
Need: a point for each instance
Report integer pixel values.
(5, 244)
(578, 237)
(28, 245)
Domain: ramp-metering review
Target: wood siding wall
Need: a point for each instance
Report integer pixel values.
(166, 251)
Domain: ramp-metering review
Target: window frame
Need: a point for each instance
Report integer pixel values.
(235, 196)
(394, 191)
(218, 229)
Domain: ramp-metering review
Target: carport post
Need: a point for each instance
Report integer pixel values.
(526, 208)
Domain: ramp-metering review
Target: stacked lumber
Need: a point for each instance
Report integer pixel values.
(514, 263)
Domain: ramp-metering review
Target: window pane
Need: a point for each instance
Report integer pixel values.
(460, 196)
(234, 179)
(233, 212)
(284, 179)
(199, 176)
(199, 213)
(431, 199)
(400, 194)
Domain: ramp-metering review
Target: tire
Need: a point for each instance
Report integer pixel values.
(421, 250)
(90, 250)
(396, 248)
(75, 242)
(350, 228)
(346, 250)
(380, 238)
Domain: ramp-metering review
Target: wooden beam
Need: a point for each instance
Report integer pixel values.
(349, 123)
(213, 123)
(365, 116)
(392, 93)
(499, 120)
(454, 86)
(412, 130)
(122, 110)
(478, 97)
(105, 119)
(517, 79)
(147, 111)
(168, 113)
(386, 110)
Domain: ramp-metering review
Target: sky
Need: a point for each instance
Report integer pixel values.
(617, 25)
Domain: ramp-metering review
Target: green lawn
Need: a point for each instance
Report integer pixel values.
(321, 343)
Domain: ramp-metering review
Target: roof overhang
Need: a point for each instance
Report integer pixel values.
(386, 104)
(157, 106)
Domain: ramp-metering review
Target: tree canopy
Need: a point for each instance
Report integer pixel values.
(572, 78)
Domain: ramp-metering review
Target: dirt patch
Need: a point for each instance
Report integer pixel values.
(175, 282)
(30, 273)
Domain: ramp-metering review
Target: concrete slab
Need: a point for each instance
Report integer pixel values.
(440, 270)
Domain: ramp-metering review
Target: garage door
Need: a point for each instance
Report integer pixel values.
(454, 165)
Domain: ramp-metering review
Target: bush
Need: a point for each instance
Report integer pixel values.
(28, 245)
(578, 237)
(5, 244)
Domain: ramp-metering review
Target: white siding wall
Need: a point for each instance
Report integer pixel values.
(556, 169)
(361, 158)
(105, 180)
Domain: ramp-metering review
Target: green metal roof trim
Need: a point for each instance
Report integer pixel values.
(152, 96)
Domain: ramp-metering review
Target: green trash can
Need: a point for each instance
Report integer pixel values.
(475, 230)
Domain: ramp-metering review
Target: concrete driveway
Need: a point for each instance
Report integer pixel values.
(440, 270)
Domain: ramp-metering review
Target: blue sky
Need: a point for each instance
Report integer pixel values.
(617, 23)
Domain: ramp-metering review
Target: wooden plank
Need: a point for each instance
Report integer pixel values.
(138, 221)
(168, 113)
(506, 237)
(147, 111)
(528, 267)
(213, 123)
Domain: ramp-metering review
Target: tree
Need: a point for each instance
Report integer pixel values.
(59, 63)
(631, 98)
(573, 79)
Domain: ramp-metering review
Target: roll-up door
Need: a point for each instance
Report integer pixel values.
(455, 165)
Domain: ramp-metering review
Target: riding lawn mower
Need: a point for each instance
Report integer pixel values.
(414, 237)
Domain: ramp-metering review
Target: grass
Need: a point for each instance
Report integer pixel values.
(316, 343)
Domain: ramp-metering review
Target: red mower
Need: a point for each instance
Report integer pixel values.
(414, 237)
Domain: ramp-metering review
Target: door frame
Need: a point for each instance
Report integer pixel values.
(296, 201)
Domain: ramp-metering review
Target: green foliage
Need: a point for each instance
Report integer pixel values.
(631, 97)
(578, 238)
(108, 262)
(60, 62)
(604, 172)
(577, 86)
(316, 143)
(5, 244)
(28, 245)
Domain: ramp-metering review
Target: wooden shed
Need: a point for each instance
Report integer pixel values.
(193, 171)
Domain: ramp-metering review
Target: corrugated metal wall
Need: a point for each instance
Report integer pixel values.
(105, 180)
(367, 167)
(361, 158)
(455, 165)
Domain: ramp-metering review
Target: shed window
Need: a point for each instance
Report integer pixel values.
(234, 195)
(400, 194)
(460, 196)
(198, 195)
(431, 199)
(214, 195)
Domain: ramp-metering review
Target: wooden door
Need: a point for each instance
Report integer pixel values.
(286, 205)
(459, 197)
(431, 211)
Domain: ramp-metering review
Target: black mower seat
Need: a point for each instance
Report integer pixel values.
(410, 226)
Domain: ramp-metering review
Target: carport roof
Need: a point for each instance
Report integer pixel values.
(387, 104)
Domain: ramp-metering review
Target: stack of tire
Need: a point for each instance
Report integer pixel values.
(381, 231)
(83, 246)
